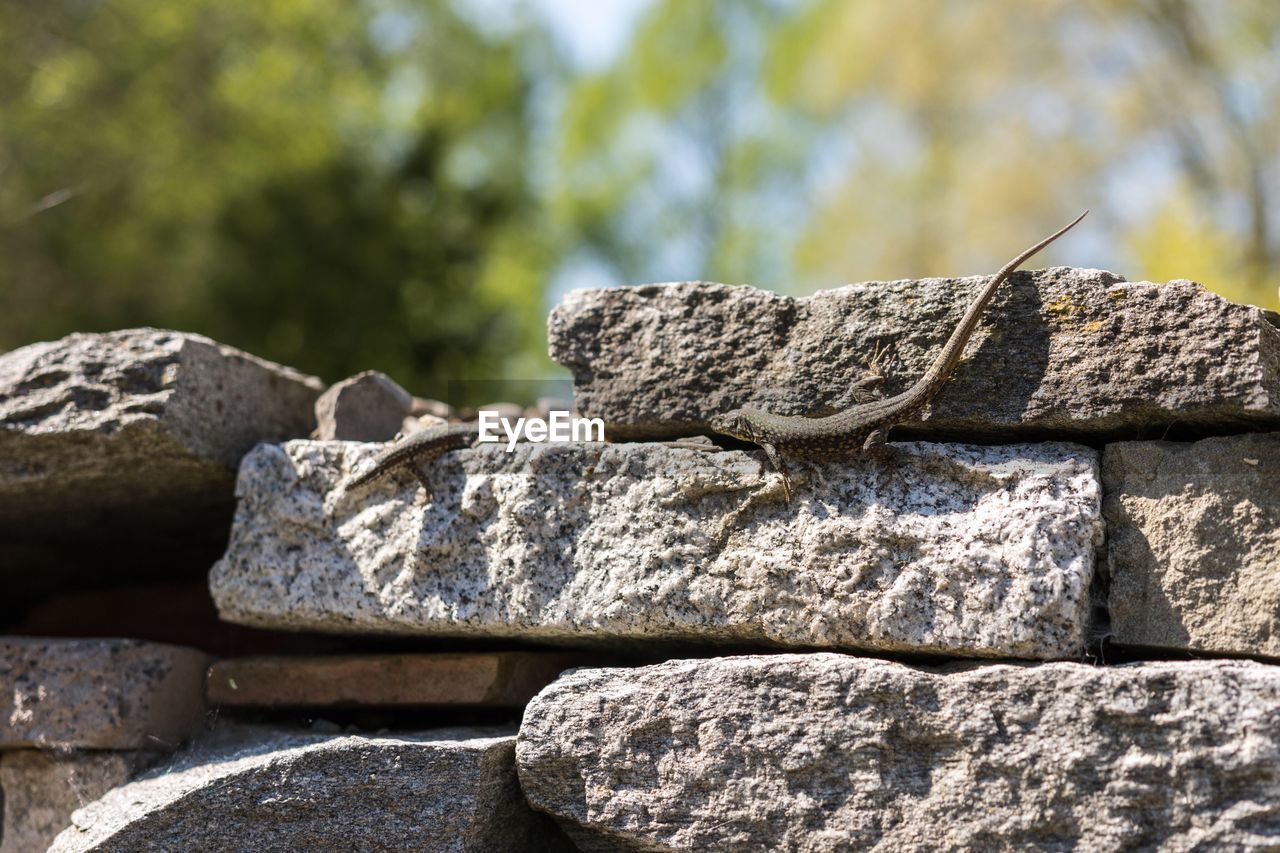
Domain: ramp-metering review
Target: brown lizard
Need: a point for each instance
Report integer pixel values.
(424, 445)
(863, 427)
(415, 448)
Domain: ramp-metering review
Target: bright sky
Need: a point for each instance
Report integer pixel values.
(592, 31)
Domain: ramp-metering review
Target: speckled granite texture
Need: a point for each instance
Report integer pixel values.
(136, 418)
(99, 694)
(830, 752)
(1061, 352)
(954, 549)
(268, 789)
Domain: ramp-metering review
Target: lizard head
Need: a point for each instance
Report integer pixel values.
(733, 423)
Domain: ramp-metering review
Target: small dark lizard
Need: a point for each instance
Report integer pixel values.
(417, 447)
(427, 444)
(863, 427)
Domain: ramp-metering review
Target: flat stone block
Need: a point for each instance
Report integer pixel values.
(99, 694)
(954, 549)
(446, 790)
(41, 788)
(1193, 540)
(830, 752)
(136, 418)
(1061, 352)
(478, 679)
(369, 406)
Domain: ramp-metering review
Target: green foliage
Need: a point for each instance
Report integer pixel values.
(378, 269)
(336, 185)
(836, 141)
(346, 185)
(663, 163)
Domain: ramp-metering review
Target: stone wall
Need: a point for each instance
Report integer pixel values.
(1045, 620)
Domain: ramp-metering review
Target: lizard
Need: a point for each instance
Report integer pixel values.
(417, 447)
(427, 444)
(864, 427)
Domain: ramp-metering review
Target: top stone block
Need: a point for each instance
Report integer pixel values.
(135, 417)
(1060, 352)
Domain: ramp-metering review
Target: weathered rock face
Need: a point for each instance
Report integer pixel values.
(1065, 352)
(115, 460)
(1194, 543)
(448, 790)
(369, 406)
(143, 417)
(99, 694)
(824, 751)
(39, 789)
(957, 549)
(118, 454)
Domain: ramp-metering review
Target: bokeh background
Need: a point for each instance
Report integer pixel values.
(409, 185)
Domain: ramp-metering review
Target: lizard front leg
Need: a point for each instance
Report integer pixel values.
(870, 386)
(423, 480)
(776, 458)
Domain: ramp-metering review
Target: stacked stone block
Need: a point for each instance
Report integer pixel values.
(1045, 622)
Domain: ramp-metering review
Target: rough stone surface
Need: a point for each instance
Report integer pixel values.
(435, 408)
(952, 549)
(369, 406)
(1193, 539)
(98, 694)
(447, 790)
(40, 789)
(1062, 352)
(828, 752)
(481, 679)
(137, 418)
(416, 423)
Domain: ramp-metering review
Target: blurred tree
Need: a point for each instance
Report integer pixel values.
(1164, 111)
(832, 140)
(348, 185)
(668, 160)
(1207, 86)
(335, 185)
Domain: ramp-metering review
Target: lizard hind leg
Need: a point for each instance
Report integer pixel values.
(776, 458)
(874, 442)
(868, 388)
(871, 385)
(875, 447)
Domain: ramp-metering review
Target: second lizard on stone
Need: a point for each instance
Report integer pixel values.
(414, 449)
(864, 426)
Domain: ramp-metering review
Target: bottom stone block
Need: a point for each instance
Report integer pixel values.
(827, 751)
(269, 789)
(41, 788)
